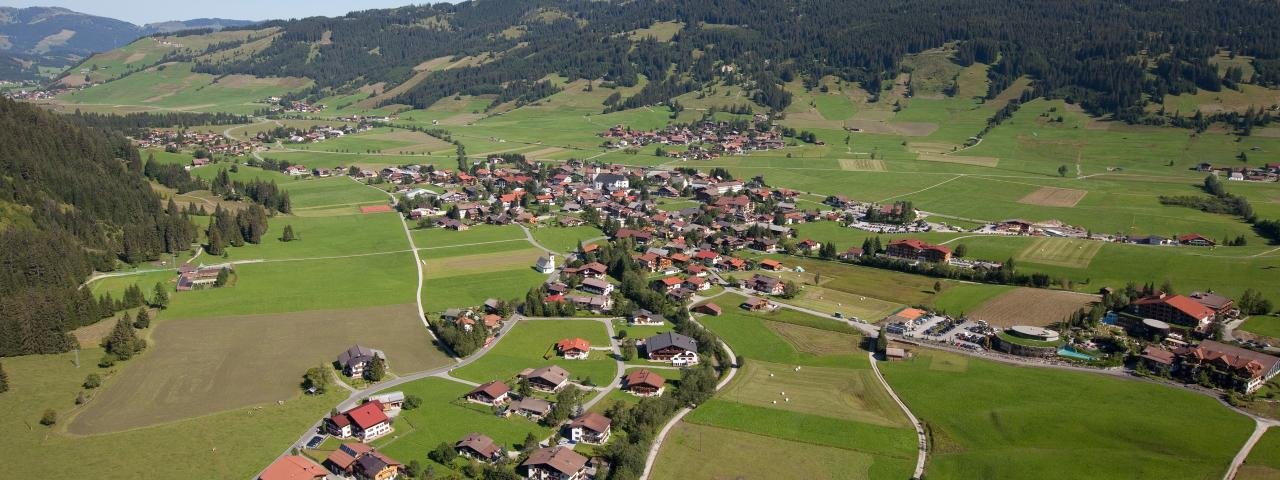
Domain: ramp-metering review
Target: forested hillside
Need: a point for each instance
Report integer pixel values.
(1102, 54)
(74, 200)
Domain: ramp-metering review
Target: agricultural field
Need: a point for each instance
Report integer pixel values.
(177, 380)
(841, 393)
(756, 336)
(1061, 252)
(565, 240)
(474, 267)
(173, 86)
(1264, 325)
(990, 419)
(531, 344)
(1264, 461)
(1031, 306)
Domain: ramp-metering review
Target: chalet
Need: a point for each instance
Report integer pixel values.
(548, 379)
(1174, 309)
(643, 383)
(852, 253)
(770, 264)
(1158, 360)
(733, 264)
(365, 422)
(574, 348)
(808, 245)
(294, 467)
(492, 393)
(597, 286)
(707, 257)
(766, 245)
(1014, 226)
(697, 284)
(590, 427)
(644, 317)
(555, 463)
(648, 261)
(758, 304)
(1229, 366)
(480, 447)
(593, 269)
(357, 359)
(531, 407)
(765, 284)
(708, 309)
(610, 182)
(667, 284)
(912, 249)
(1196, 240)
(672, 347)
(356, 460)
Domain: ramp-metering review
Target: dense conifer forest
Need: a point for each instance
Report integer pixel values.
(1102, 54)
(74, 200)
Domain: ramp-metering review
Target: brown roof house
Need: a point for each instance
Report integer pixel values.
(644, 383)
(477, 446)
(548, 379)
(492, 393)
(555, 463)
(531, 407)
(1229, 366)
(590, 427)
(357, 460)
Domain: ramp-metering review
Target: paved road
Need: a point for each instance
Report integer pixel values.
(1259, 428)
(613, 348)
(923, 444)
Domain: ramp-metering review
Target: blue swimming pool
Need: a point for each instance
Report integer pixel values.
(1067, 351)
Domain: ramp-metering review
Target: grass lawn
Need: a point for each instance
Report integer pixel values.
(441, 293)
(479, 234)
(1264, 460)
(699, 451)
(479, 262)
(530, 344)
(991, 420)
(198, 366)
(1265, 325)
(840, 393)
(896, 442)
(563, 239)
(445, 417)
(751, 336)
(233, 444)
(331, 236)
(966, 297)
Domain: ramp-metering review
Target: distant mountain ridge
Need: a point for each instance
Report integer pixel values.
(55, 37)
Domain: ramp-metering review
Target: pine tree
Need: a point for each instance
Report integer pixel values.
(377, 369)
(143, 320)
(160, 296)
(223, 276)
(122, 341)
(287, 235)
(133, 297)
(216, 245)
(882, 341)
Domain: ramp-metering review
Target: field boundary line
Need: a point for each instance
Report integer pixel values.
(939, 184)
(923, 446)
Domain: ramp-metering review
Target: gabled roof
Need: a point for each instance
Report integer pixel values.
(644, 377)
(559, 459)
(551, 374)
(293, 467)
(481, 443)
(670, 339)
(492, 389)
(347, 453)
(570, 344)
(592, 421)
(367, 415)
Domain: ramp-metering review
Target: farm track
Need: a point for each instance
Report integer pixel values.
(923, 448)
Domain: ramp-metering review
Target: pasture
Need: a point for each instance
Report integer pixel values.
(1031, 306)
(231, 444)
(1264, 460)
(1061, 252)
(530, 344)
(565, 240)
(841, 393)
(473, 289)
(477, 235)
(861, 165)
(200, 366)
(995, 420)
(1264, 325)
(438, 268)
(750, 335)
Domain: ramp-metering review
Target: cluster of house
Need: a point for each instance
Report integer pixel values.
(1055, 228)
(316, 133)
(191, 277)
(1265, 173)
(704, 140)
(1224, 365)
(214, 143)
(36, 94)
(1196, 311)
(292, 106)
(468, 319)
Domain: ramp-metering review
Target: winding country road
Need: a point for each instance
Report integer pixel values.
(923, 445)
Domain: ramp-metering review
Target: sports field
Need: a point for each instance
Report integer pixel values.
(1031, 306)
(206, 365)
(991, 420)
(1062, 252)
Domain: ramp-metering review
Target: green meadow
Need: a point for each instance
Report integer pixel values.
(530, 344)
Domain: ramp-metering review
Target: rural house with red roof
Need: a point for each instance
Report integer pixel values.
(365, 422)
(912, 249)
(294, 467)
(1228, 366)
(1175, 309)
(574, 348)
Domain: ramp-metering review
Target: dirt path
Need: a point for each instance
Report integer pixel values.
(1259, 428)
(931, 187)
(923, 447)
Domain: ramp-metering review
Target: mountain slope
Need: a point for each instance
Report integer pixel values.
(55, 37)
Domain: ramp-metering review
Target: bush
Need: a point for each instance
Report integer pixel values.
(108, 360)
(412, 401)
(50, 417)
(92, 381)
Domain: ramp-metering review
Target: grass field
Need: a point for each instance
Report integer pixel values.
(991, 420)
(479, 234)
(842, 393)
(750, 335)
(565, 240)
(1062, 252)
(1031, 306)
(200, 366)
(1264, 460)
(965, 297)
(452, 266)
(1265, 325)
(232, 444)
(1054, 197)
(530, 345)
(686, 451)
(444, 417)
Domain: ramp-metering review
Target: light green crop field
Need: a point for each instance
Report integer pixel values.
(896, 442)
(531, 345)
(966, 297)
(446, 417)
(989, 420)
(1265, 325)
(231, 444)
(842, 393)
(174, 86)
(477, 235)
(473, 289)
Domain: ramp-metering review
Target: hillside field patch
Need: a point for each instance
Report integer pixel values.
(813, 340)
(205, 365)
(1031, 306)
(843, 393)
(862, 165)
(1061, 252)
(961, 159)
(480, 263)
(700, 451)
(1054, 197)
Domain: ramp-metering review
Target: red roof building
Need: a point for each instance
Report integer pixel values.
(293, 467)
(1175, 309)
(911, 248)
